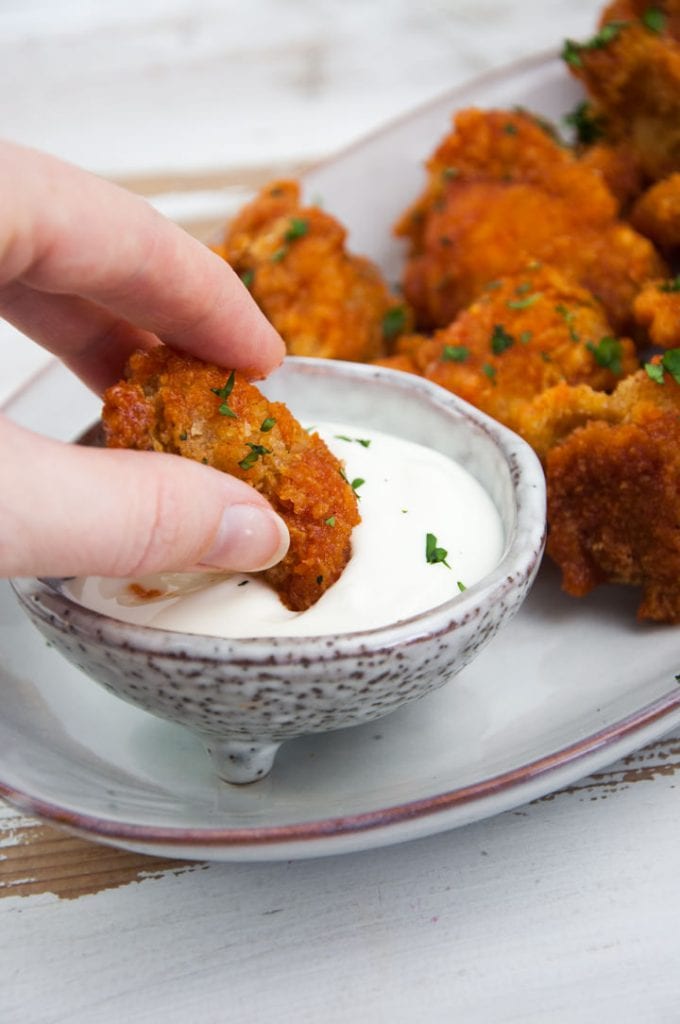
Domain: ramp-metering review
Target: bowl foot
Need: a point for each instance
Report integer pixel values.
(240, 761)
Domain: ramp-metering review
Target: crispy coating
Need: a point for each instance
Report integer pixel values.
(501, 193)
(322, 300)
(656, 214)
(620, 169)
(631, 70)
(527, 333)
(614, 495)
(170, 402)
(657, 310)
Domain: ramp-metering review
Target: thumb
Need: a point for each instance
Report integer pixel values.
(67, 511)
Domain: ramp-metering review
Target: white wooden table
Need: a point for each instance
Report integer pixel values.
(565, 910)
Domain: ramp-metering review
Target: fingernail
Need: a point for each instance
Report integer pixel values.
(249, 538)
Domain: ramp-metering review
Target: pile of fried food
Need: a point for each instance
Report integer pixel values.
(538, 277)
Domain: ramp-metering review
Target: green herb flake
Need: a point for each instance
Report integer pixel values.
(365, 442)
(671, 286)
(524, 303)
(280, 254)
(455, 353)
(256, 452)
(655, 372)
(654, 20)
(491, 286)
(509, 128)
(461, 586)
(224, 393)
(330, 521)
(571, 53)
(450, 173)
(297, 228)
(607, 353)
(588, 126)
(183, 436)
(435, 555)
(490, 372)
(500, 340)
(394, 322)
(523, 288)
(247, 277)
(525, 337)
(671, 363)
(356, 484)
(267, 424)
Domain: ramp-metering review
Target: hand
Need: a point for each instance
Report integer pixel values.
(92, 273)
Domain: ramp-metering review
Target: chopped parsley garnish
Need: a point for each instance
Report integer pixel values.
(669, 362)
(461, 586)
(256, 452)
(449, 173)
(394, 322)
(490, 372)
(568, 316)
(523, 303)
(363, 441)
(654, 19)
(248, 276)
(523, 288)
(435, 555)
(267, 424)
(671, 286)
(356, 484)
(525, 337)
(571, 51)
(607, 353)
(500, 340)
(491, 286)
(455, 353)
(183, 436)
(280, 254)
(588, 127)
(509, 128)
(224, 393)
(297, 228)
(330, 521)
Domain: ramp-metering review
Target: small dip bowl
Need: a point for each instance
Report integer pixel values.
(245, 697)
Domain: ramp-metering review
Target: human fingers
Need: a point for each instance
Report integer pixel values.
(67, 510)
(67, 232)
(92, 342)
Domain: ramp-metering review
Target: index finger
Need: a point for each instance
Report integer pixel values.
(66, 232)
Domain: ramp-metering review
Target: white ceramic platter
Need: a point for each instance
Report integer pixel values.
(569, 687)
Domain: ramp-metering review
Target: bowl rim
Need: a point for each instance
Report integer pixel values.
(523, 549)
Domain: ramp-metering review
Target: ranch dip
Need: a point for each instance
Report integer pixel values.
(428, 531)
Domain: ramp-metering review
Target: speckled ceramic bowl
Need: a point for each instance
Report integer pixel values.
(245, 697)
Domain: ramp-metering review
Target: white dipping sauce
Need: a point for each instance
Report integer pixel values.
(409, 491)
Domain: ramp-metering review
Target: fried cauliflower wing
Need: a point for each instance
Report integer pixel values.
(524, 334)
(631, 71)
(501, 193)
(322, 300)
(174, 403)
(614, 494)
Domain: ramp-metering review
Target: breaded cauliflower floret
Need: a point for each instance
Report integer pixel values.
(174, 403)
(322, 300)
(523, 335)
(501, 193)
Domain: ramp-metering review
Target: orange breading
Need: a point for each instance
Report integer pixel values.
(501, 192)
(656, 214)
(322, 300)
(614, 496)
(520, 337)
(631, 70)
(657, 309)
(619, 168)
(174, 403)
